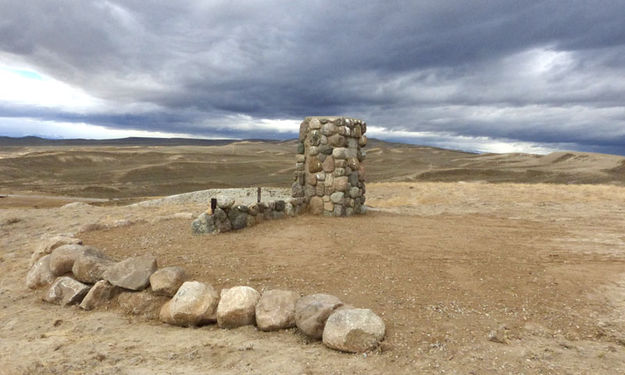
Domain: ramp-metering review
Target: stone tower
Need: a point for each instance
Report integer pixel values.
(329, 173)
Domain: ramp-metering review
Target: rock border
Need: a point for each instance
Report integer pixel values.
(196, 303)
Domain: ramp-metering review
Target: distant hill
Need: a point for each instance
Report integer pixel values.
(131, 141)
(138, 167)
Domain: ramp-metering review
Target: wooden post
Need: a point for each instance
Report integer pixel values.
(213, 205)
(258, 199)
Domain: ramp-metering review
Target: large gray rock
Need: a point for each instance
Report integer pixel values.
(99, 295)
(205, 223)
(224, 202)
(132, 273)
(237, 307)
(89, 268)
(66, 291)
(312, 311)
(353, 330)
(276, 310)
(141, 303)
(194, 304)
(40, 274)
(166, 281)
(63, 257)
(52, 243)
(238, 217)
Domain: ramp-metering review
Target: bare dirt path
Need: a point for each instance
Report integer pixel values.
(540, 267)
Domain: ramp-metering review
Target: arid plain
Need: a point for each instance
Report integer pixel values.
(479, 264)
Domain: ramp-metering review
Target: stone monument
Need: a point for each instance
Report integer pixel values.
(329, 173)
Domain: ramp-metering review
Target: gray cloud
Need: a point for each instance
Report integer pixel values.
(544, 72)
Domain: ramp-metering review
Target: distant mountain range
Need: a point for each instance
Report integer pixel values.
(131, 141)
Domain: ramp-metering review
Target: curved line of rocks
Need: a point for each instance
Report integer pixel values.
(97, 280)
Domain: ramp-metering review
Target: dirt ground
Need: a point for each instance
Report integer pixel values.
(539, 268)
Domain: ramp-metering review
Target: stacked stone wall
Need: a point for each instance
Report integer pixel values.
(329, 171)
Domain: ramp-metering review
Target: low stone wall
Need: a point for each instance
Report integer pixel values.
(228, 216)
(81, 275)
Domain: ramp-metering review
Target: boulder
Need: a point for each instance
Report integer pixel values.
(312, 311)
(194, 304)
(224, 202)
(276, 310)
(353, 330)
(141, 303)
(238, 217)
(237, 307)
(89, 268)
(205, 223)
(132, 273)
(316, 205)
(166, 281)
(66, 291)
(52, 243)
(40, 274)
(63, 257)
(99, 295)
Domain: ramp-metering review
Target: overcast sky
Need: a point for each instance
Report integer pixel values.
(493, 76)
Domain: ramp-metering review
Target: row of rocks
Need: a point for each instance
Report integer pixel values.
(329, 173)
(227, 216)
(78, 274)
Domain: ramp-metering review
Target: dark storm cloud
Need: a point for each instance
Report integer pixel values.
(532, 71)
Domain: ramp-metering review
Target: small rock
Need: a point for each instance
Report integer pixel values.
(316, 205)
(52, 243)
(141, 303)
(312, 311)
(66, 291)
(40, 274)
(337, 197)
(237, 307)
(341, 183)
(499, 335)
(339, 153)
(314, 165)
(63, 257)
(132, 273)
(276, 310)
(238, 217)
(353, 330)
(99, 295)
(89, 268)
(328, 164)
(205, 223)
(194, 303)
(166, 281)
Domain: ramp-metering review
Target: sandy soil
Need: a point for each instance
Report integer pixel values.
(445, 265)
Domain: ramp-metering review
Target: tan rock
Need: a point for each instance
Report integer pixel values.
(341, 183)
(276, 310)
(166, 281)
(328, 164)
(141, 303)
(237, 307)
(63, 257)
(99, 295)
(132, 273)
(312, 311)
(353, 330)
(362, 141)
(66, 291)
(47, 246)
(194, 304)
(314, 165)
(89, 268)
(316, 205)
(40, 274)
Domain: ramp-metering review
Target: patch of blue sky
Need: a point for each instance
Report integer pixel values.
(30, 74)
